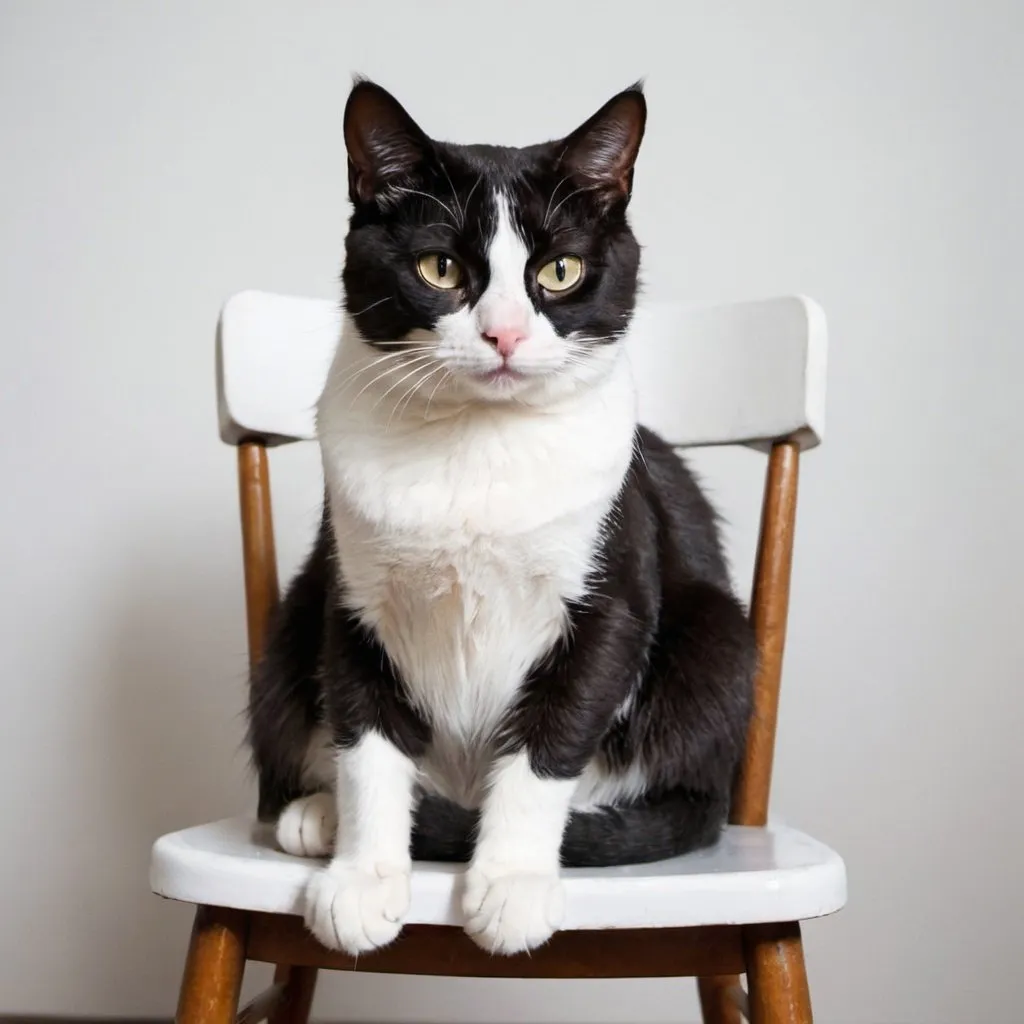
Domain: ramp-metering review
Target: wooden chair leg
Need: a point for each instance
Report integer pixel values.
(297, 999)
(774, 955)
(214, 967)
(716, 1003)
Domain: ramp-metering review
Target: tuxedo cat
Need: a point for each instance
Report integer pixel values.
(514, 642)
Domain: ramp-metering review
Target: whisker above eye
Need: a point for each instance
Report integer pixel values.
(426, 195)
(551, 199)
(455, 196)
(472, 190)
(562, 202)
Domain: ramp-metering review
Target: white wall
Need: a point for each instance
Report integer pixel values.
(156, 158)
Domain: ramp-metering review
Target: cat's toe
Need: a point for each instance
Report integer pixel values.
(512, 911)
(307, 826)
(357, 910)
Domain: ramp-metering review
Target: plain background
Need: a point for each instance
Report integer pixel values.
(156, 158)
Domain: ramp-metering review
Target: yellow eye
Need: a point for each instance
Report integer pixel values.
(439, 271)
(560, 274)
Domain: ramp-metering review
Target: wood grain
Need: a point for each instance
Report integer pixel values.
(769, 609)
(447, 951)
(259, 557)
(769, 612)
(779, 993)
(213, 968)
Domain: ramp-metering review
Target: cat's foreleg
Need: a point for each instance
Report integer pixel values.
(513, 898)
(358, 901)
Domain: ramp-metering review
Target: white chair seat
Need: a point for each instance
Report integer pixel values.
(750, 876)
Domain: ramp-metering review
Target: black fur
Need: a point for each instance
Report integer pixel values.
(657, 667)
(442, 200)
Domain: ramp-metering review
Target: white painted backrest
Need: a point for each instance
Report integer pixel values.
(746, 373)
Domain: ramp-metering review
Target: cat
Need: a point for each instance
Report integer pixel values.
(515, 642)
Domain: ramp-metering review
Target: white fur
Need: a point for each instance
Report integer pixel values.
(467, 512)
(513, 898)
(307, 826)
(358, 901)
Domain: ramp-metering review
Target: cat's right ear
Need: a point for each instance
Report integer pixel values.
(385, 145)
(601, 153)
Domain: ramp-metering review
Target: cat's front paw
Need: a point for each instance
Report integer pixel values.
(357, 910)
(307, 826)
(510, 911)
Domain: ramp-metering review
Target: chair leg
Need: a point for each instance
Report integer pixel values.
(716, 1004)
(299, 986)
(213, 970)
(776, 975)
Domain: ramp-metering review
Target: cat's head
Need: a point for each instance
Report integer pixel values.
(500, 273)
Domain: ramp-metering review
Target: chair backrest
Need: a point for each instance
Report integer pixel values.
(750, 373)
(747, 373)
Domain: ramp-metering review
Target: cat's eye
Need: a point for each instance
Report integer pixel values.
(439, 270)
(560, 274)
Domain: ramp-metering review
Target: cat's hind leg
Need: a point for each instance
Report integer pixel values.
(308, 826)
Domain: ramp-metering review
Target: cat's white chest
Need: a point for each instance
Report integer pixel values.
(460, 543)
(465, 616)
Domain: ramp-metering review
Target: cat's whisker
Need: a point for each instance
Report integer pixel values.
(423, 380)
(405, 344)
(472, 190)
(339, 387)
(427, 195)
(565, 200)
(445, 377)
(455, 196)
(420, 362)
(372, 305)
(408, 397)
(599, 338)
(551, 199)
(382, 375)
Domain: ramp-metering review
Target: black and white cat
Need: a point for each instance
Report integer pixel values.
(515, 641)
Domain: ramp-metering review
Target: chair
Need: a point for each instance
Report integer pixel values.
(752, 374)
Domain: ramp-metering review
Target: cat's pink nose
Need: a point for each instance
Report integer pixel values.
(505, 339)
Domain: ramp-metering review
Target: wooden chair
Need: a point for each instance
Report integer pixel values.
(748, 374)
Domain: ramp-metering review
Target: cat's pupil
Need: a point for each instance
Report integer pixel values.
(442, 266)
(560, 269)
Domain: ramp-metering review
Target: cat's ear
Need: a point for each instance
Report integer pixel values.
(601, 153)
(385, 145)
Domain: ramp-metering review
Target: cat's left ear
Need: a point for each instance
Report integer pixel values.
(385, 145)
(601, 153)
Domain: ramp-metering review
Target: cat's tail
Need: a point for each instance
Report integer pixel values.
(655, 829)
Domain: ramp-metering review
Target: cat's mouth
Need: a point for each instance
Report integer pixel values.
(503, 374)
